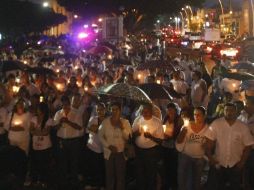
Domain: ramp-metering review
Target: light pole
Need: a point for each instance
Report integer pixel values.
(189, 7)
(222, 11)
(182, 20)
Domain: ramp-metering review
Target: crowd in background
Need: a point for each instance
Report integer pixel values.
(57, 131)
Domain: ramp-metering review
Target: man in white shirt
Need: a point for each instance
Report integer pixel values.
(148, 133)
(69, 142)
(247, 116)
(232, 141)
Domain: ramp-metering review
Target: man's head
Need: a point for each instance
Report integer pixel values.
(147, 111)
(249, 106)
(230, 111)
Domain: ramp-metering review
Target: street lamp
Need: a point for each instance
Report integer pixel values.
(222, 11)
(189, 7)
(45, 4)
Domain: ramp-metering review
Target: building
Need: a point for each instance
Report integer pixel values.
(231, 23)
(61, 28)
(248, 11)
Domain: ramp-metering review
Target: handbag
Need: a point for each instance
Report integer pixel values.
(129, 149)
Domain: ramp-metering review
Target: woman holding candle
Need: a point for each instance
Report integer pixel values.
(172, 125)
(17, 125)
(190, 143)
(41, 149)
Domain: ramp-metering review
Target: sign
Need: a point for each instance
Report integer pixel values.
(112, 28)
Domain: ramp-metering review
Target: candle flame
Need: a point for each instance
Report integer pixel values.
(139, 76)
(145, 128)
(164, 128)
(186, 122)
(158, 82)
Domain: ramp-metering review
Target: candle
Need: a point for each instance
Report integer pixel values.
(109, 56)
(15, 89)
(79, 83)
(76, 67)
(158, 81)
(60, 86)
(17, 122)
(17, 80)
(25, 62)
(41, 98)
(57, 70)
(186, 122)
(145, 128)
(234, 85)
(139, 76)
(86, 88)
(164, 128)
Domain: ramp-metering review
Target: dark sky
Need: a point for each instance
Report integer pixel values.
(235, 3)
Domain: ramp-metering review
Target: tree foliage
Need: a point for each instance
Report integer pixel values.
(19, 17)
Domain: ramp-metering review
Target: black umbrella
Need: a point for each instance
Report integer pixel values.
(12, 65)
(244, 66)
(67, 56)
(155, 91)
(41, 71)
(241, 76)
(156, 64)
(247, 85)
(121, 62)
(45, 59)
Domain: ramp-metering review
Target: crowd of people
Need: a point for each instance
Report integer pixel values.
(57, 131)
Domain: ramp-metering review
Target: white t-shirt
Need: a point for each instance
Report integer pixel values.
(230, 140)
(3, 117)
(194, 143)
(66, 131)
(41, 142)
(22, 120)
(94, 142)
(180, 86)
(153, 126)
(110, 135)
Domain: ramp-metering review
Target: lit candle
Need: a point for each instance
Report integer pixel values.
(25, 62)
(186, 122)
(17, 80)
(164, 128)
(15, 89)
(17, 122)
(139, 76)
(76, 67)
(234, 85)
(57, 70)
(109, 56)
(145, 128)
(158, 81)
(41, 98)
(86, 88)
(79, 83)
(60, 86)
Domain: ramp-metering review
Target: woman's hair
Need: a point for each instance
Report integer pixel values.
(43, 107)
(177, 127)
(202, 109)
(118, 104)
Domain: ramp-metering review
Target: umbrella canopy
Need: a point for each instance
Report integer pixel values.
(156, 91)
(246, 66)
(241, 76)
(67, 56)
(126, 91)
(247, 85)
(158, 64)
(121, 62)
(41, 71)
(12, 65)
(99, 50)
(45, 59)
(111, 46)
